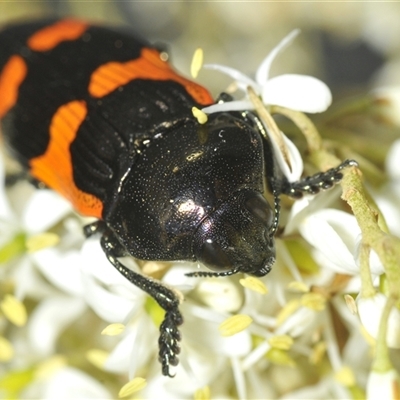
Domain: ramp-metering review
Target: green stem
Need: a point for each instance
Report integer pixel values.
(382, 361)
(367, 286)
(385, 245)
(304, 124)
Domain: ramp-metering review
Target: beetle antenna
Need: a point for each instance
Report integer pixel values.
(277, 209)
(203, 274)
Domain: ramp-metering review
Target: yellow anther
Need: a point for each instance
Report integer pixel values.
(235, 324)
(199, 115)
(133, 386)
(281, 342)
(197, 62)
(255, 284)
(298, 287)
(315, 301)
(97, 357)
(113, 329)
(6, 350)
(14, 310)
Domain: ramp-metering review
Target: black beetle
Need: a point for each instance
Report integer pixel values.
(98, 115)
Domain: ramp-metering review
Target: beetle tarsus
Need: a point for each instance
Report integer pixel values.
(315, 183)
(169, 340)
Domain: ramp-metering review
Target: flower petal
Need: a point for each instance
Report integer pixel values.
(297, 92)
(393, 161)
(263, 70)
(71, 383)
(236, 105)
(61, 268)
(108, 306)
(296, 162)
(135, 349)
(44, 209)
(383, 385)
(242, 80)
(47, 322)
(370, 312)
(334, 234)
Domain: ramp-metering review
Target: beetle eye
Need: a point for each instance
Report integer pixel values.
(213, 256)
(259, 207)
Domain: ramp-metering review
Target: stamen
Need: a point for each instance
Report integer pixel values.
(239, 378)
(197, 62)
(281, 342)
(350, 303)
(290, 308)
(315, 301)
(97, 357)
(133, 386)
(113, 329)
(199, 115)
(280, 357)
(6, 350)
(298, 287)
(254, 284)
(235, 324)
(14, 310)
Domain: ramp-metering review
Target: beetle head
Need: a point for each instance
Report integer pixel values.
(238, 236)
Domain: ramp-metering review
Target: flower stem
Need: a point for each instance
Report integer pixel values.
(304, 124)
(367, 287)
(385, 245)
(382, 361)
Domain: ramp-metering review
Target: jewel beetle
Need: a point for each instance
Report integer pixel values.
(100, 116)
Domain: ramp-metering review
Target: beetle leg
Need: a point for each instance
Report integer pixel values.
(314, 183)
(165, 297)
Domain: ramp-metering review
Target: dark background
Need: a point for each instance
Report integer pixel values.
(352, 46)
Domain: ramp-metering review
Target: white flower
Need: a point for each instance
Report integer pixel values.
(383, 385)
(336, 237)
(46, 322)
(294, 172)
(67, 383)
(297, 92)
(370, 312)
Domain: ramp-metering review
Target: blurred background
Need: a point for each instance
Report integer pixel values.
(352, 46)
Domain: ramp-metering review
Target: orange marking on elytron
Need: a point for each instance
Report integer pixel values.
(149, 65)
(13, 74)
(49, 37)
(54, 167)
